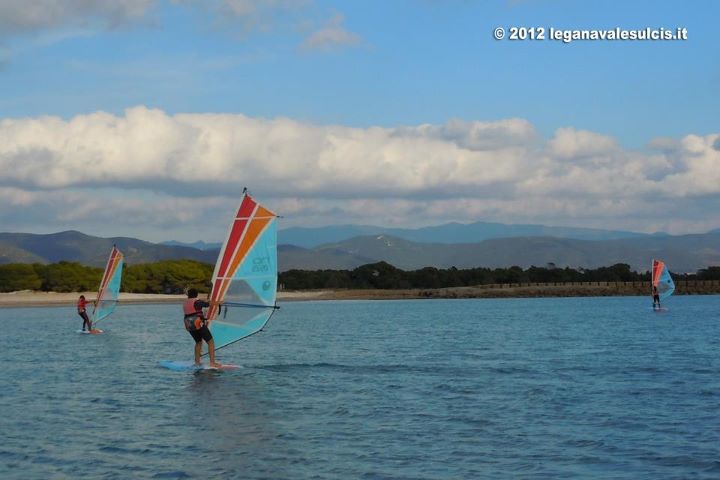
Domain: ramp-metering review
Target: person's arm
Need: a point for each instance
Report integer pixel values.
(200, 304)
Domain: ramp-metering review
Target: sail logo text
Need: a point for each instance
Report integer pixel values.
(261, 264)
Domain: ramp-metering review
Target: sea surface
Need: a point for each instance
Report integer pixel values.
(427, 389)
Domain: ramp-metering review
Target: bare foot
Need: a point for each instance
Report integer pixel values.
(216, 365)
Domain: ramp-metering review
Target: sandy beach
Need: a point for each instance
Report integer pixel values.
(27, 298)
(586, 289)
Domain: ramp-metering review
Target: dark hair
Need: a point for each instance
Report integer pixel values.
(82, 296)
(192, 293)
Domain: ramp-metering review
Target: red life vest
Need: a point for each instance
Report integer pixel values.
(189, 307)
(81, 305)
(194, 318)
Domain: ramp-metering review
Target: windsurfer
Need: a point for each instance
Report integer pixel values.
(196, 325)
(656, 298)
(82, 311)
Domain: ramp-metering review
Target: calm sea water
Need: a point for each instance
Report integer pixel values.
(432, 389)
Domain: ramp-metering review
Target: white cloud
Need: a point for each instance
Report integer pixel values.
(664, 144)
(479, 136)
(148, 146)
(249, 8)
(160, 171)
(700, 162)
(249, 15)
(332, 35)
(572, 143)
(20, 16)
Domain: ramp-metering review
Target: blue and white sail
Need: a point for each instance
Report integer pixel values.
(244, 283)
(109, 291)
(662, 280)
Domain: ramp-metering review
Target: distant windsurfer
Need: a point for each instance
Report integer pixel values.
(82, 311)
(196, 325)
(656, 298)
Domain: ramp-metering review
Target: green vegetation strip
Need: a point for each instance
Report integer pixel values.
(176, 276)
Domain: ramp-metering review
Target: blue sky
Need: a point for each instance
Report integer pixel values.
(366, 64)
(416, 62)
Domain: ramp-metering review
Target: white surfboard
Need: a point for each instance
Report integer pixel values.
(189, 366)
(94, 331)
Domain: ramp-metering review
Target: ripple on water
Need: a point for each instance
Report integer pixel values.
(540, 388)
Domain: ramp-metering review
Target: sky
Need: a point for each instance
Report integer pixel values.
(146, 118)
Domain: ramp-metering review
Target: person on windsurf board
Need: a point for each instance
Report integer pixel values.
(82, 311)
(656, 298)
(197, 326)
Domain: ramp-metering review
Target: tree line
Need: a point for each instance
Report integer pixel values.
(168, 276)
(382, 275)
(177, 276)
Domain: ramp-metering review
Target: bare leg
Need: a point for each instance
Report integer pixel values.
(198, 351)
(211, 351)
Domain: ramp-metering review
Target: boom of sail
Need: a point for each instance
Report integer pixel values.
(107, 296)
(244, 283)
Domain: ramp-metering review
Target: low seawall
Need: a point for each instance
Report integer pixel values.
(517, 290)
(570, 289)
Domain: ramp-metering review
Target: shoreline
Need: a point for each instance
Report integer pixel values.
(28, 298)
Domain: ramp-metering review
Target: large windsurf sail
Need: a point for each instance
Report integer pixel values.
(662, 280)
(244, 283)
(107, 296)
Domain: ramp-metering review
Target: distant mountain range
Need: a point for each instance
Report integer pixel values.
(292, 257)
(200, 245)
(310, 237)
(88, 250)
(684, 253)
